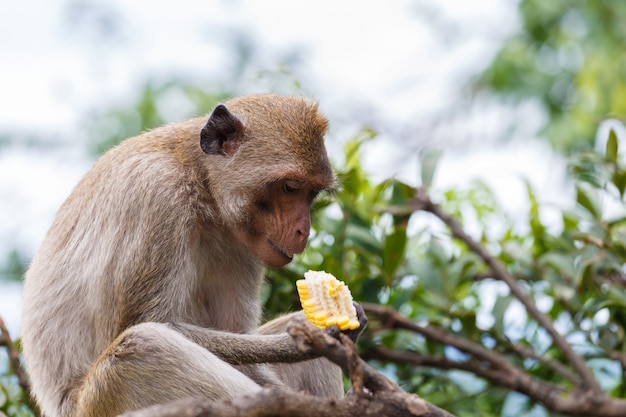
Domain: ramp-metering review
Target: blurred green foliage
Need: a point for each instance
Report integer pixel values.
(572, 268)
(13, 267)
(570, 57)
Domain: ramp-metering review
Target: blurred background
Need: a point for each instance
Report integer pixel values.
(78, 76)
(502, 92)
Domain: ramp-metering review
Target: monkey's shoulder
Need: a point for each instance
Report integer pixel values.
(171, 138)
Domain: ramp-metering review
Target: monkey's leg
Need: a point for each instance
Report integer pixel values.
(319, 376)
(151, 363)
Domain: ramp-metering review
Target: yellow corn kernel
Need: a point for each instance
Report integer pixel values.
(327, 301)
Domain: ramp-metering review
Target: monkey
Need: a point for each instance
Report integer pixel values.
(147, 286)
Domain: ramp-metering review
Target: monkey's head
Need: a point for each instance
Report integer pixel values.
(268, 164)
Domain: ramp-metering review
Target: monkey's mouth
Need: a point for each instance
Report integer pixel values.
(281, 251)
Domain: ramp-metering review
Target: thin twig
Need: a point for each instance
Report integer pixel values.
(555, 366)
(392, 318)
(511, 377)
(618, 356)
(14, 358)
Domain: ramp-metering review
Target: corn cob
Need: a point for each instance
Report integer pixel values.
(326, 301)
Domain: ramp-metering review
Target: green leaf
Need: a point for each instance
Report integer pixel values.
(362, 237)
(562, 263)
(536, 226)
(429, 160)
(617, 296)
(619, 180)
(401, 193)
(587, 202)
(611, 146)
(3, 396)
(393, 252)
(608, 338)
(499, 309)
(585, 275)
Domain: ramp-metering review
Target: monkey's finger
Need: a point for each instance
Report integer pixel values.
(360, 315)
(333, 331)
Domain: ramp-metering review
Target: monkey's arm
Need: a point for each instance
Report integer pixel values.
(245, 349)
(271, 345)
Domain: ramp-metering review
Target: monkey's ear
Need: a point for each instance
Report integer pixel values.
(222, 132)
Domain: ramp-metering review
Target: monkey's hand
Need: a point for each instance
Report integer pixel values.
(354, 333)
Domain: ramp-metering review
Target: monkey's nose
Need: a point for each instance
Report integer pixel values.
(302, 238)
(303, 234)
(304, 227)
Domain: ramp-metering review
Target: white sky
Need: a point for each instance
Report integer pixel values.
(386, 57)
(362, 50)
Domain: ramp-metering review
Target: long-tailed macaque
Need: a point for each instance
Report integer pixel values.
(146, 288)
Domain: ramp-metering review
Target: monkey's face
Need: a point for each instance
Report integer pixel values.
(281, 222)
(267, 162)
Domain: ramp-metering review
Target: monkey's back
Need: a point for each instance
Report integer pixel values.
(87, 281)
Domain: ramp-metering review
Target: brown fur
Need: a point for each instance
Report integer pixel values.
(147, 286)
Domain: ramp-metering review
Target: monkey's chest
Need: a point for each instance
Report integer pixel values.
(230, 309)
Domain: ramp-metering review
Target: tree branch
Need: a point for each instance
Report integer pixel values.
(494, 367)
(372, 394)
(393, 319)
(485, 363)
(423, 202)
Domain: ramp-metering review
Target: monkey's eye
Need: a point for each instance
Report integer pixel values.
(292, 186)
